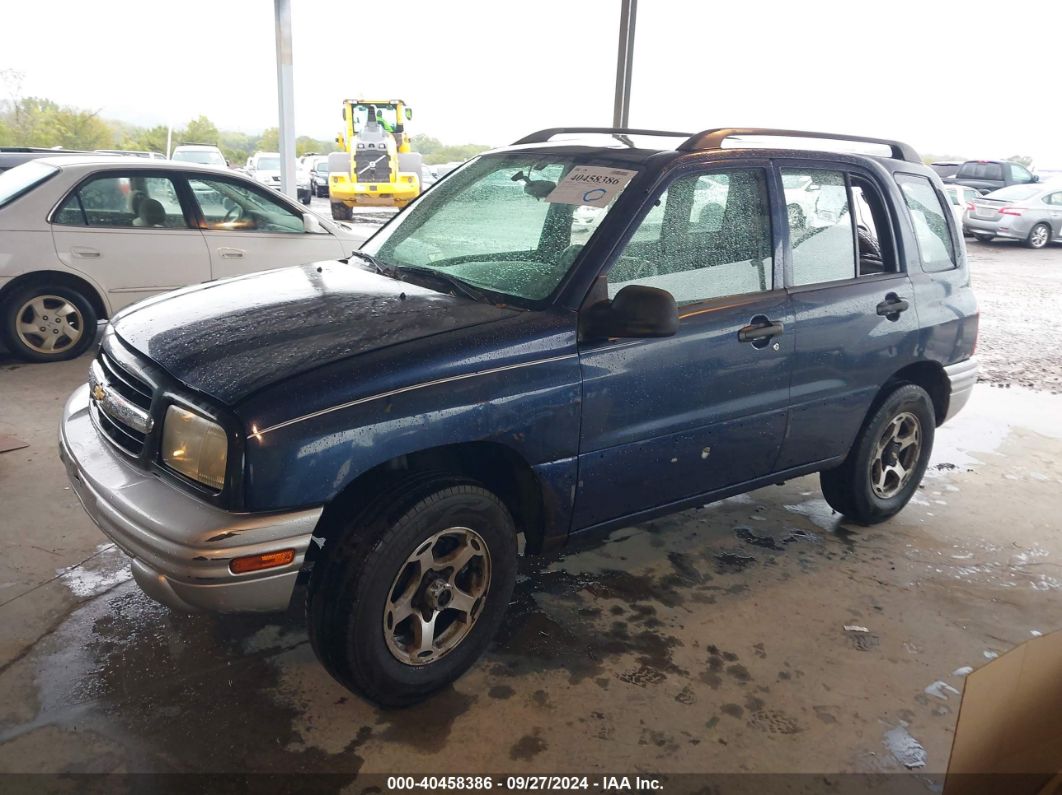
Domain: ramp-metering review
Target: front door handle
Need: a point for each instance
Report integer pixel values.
(231, 253)
(82, 251)
(760, 330)
(892, 306)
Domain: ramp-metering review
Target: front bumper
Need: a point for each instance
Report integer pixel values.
(180, 546)
(961, 377)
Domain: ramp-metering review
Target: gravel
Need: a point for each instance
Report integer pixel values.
(1019, 292)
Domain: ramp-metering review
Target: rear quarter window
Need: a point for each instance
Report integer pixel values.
(929, 215)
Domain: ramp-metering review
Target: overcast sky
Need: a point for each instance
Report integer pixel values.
(936, 73)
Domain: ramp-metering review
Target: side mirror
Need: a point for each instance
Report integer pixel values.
(637, 311)
(1035, 177)
(312, 225)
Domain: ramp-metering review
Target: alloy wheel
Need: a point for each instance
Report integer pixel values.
(896, 455)
(437, 596)
(49, 324)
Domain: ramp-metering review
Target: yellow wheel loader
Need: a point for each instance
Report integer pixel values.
(376, 167)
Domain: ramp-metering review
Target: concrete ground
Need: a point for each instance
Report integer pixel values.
(713, 640)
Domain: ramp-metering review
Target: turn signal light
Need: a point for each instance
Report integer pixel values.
(267, 560)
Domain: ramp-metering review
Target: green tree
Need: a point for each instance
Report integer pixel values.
(269, 140)
(200, 131)
(33, 121)
(141, 139)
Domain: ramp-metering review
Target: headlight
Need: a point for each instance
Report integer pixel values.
(195, 447)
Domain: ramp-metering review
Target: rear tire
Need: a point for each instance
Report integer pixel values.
(984, 238)
(40, 316)
(1039, 236)
(340, 212)
(882, 471)
(380, 570)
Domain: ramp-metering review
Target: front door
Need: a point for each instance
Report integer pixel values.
(129, 232)
(249, 229)
(667, 419)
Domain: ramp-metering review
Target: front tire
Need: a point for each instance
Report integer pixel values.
(887, 461)
(340, 212)
(1039, 236)
(413, 591)
(48, 323)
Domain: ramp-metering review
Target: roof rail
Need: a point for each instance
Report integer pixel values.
(544, 135)
(713, 139)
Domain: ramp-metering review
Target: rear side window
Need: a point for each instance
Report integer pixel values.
(928, 214)
(125, 201)
(981, 171)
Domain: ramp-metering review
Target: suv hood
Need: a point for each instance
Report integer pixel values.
(231, 338)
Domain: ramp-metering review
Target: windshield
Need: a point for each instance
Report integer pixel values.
(200, 156)
(269, 164)
(1015, 193)
(20, 179)
(502, 223)
(321, 165)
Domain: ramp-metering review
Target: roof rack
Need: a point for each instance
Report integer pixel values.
(544, 135)
(713, 139)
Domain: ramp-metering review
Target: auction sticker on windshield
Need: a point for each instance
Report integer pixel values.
(593, 186)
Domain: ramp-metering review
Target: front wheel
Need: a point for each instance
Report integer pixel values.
(48, 323)
(1039, 236)
(412, 593)
(340, 212)
(887, 461)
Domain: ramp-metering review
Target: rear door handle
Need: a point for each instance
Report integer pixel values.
(892, 306)
(82, 251)
(231, 253)
(761, 329)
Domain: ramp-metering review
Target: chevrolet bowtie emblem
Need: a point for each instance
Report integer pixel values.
(99, 393)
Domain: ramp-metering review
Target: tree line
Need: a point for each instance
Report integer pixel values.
(35, 121)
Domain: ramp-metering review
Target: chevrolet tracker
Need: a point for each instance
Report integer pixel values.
(587, 329)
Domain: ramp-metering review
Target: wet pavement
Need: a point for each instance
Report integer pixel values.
(757, 634)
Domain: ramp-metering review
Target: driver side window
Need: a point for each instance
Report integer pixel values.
(232, 207)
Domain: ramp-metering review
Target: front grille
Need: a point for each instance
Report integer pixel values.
(372, 165)
(129, 385)
(123, 436)
(136, 391)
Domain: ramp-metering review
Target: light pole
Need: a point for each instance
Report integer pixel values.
(624, 63)
(285, 97)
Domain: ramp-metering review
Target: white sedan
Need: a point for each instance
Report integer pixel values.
(83, 237)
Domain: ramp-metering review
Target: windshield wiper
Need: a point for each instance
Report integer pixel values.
(377, 266)
(464, 287)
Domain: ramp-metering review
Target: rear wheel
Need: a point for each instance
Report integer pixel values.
(1039, 236)
(887, 461)
(340, 212)
(412, 593)
(48, 323)
(984, 238)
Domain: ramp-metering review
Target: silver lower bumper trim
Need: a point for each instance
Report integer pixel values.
(962, 376)
(180, 545)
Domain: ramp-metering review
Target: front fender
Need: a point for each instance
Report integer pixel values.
(531, 406)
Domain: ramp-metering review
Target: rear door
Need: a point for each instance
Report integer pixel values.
(853, 304)
(130, 232)
(667, 419)
(249, 229)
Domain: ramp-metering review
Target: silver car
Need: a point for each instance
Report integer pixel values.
(1029, 213)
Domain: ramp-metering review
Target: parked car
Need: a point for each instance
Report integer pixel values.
(381, 429)
(203, 154)
(11, 156)
(319, 176)
(81, 237)
(303, 186)
(264, 168)
(133, 153)
(989, 175)
(946, 168)
(1029, 213)
(960, 196)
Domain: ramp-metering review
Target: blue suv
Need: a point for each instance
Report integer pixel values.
(584, 330)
